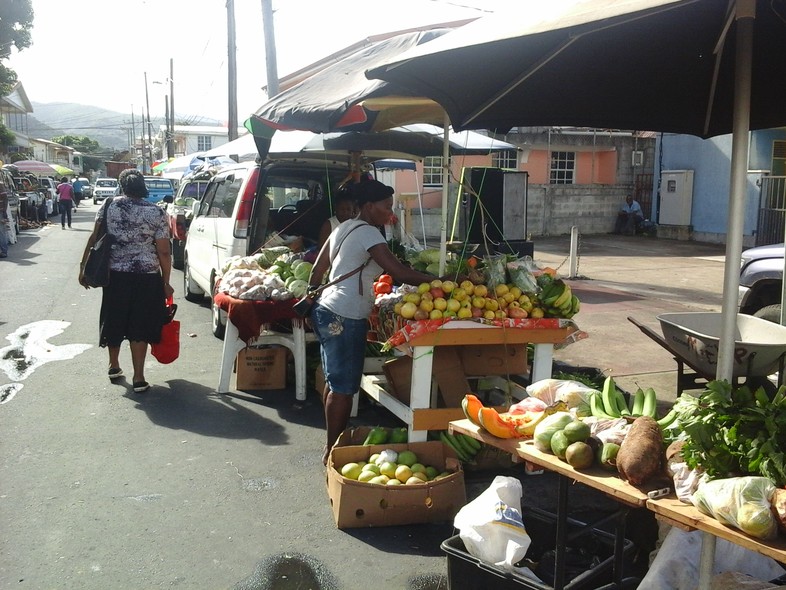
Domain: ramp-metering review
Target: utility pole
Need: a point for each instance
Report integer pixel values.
(149, 130)
(232, 67)
(270, 48)
(170, 144)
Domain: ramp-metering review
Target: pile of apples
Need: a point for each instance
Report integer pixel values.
(447, 299)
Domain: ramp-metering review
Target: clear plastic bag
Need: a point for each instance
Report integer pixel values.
(495, 270)
(741, 502)
(522, 275)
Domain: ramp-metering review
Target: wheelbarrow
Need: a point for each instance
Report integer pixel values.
(693, 338)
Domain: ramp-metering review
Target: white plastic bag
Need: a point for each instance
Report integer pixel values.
(491, 527)
(573, 393)
(741, 502)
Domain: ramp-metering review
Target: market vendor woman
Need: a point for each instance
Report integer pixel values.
(340, 318)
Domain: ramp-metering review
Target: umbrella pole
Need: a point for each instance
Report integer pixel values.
(443, 226)
(739, 166)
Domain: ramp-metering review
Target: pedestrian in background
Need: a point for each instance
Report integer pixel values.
(66, 201)
(3, 220)
(133, 304)
(629, 217)
(78, 189)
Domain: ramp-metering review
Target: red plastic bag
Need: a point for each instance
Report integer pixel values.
(168, 349)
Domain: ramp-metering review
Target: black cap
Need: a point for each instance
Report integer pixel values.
(371, 191)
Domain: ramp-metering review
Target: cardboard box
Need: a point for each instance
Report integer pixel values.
(356, 504)
(446, 370)
(261, 368)
(494, 359)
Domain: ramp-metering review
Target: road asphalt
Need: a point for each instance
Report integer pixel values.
(182, 487)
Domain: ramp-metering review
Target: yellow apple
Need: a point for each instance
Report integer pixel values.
(436, 284)
(459, 294)
(501, 289)
(516, 291)
(426, 305)
(479, 302)
(408, 310)
(492, 305)
(448, 286)
(440, 304)
(500, 314)
(489, 315)
(423, 288)
(481, 290)
(464, 313)
(435, 314)
(468, 286)
(453, 305)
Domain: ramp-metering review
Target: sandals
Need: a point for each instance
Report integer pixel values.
(141, 386)
(115, 373)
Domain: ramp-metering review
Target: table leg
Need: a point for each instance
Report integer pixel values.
(232, 345)
(619, 546)
(420, 396)
(541, 363)
(299, 352)
(562, 532)
(706, 561)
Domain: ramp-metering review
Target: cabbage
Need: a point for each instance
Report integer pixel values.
(267, 256)
(432, 269)
(429, 256)
(302, 271)
(298, 288)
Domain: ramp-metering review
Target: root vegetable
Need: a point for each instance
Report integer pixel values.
(641, 454)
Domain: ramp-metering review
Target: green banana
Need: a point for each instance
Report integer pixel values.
(564, 297)
(668, 419)
(622, 405)
(468, 449)
(443, 436)
(556, 290)
(608, 395)
(596, 406)
(575, 305)
(474, 443)
(650, 406)
(638, 402)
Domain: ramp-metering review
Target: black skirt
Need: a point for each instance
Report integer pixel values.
(133, 308)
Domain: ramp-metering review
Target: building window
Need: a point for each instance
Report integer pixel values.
(563, 167)
(432, 171)
(505, 159)
(204, 143)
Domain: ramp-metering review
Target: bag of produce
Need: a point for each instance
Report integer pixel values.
(495, 270)
(574, 393)
(547, 427)
(521, 274)
(741, 502)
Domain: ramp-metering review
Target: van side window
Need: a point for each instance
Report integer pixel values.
(223, 203)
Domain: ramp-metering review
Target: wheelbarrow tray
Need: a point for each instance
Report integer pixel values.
(759, 344)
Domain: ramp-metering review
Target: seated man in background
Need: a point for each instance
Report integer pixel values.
(629, 217)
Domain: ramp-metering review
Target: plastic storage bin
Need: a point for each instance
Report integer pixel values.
(589, 559)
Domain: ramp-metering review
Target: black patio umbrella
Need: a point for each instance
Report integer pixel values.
(700, 67)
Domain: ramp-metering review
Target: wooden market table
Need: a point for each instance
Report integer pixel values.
(421, 414)
(668, 509)
(248, 325)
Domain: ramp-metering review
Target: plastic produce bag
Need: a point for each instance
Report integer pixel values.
(741, 502)
(495, 270)
(522, 275)
(574, 393)
(490, 526)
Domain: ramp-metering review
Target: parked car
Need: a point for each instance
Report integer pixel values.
(761, 279)
(105, 187)
(159, 188)
(246, 203)
(180, 212)
(48, 184)
(87, 189)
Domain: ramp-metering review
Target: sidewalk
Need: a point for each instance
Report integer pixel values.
(641, 277)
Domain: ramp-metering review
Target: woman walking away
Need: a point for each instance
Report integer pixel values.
(340, 319)
(133, 305)
(65, 201)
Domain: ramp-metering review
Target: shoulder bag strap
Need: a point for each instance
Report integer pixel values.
(104, 222)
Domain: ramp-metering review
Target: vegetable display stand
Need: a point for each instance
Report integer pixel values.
(606, 482)
(421, 413)
(246, 326)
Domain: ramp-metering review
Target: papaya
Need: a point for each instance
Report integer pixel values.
(471, 406)
(494, 424)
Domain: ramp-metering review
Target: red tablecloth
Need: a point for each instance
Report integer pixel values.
(249, 316)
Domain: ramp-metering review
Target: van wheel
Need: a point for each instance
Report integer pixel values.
(192, 291)
(178, 254)
(771, 313)
(218, 321)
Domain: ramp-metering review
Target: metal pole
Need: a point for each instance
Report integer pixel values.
(443, 225)
(574, 251)
(170, 144)
(232, 67)
(149, 130)
(270, 48)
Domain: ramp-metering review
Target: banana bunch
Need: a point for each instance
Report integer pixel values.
(610, 404)
(558, 300)
(465, 446)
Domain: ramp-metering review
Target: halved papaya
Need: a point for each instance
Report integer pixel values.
(493, 423)
(471, 406)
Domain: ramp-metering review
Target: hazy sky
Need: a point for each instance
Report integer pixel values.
(96, 52)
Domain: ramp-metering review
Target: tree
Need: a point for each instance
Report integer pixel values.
(16, 21)
(79, 142)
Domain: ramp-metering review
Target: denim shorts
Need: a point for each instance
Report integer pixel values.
(343, 345)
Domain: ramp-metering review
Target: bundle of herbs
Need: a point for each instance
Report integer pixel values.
(734, 431)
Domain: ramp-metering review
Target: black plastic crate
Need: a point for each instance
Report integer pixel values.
(589, 559)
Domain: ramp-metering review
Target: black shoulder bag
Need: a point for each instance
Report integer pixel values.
(96, 271)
